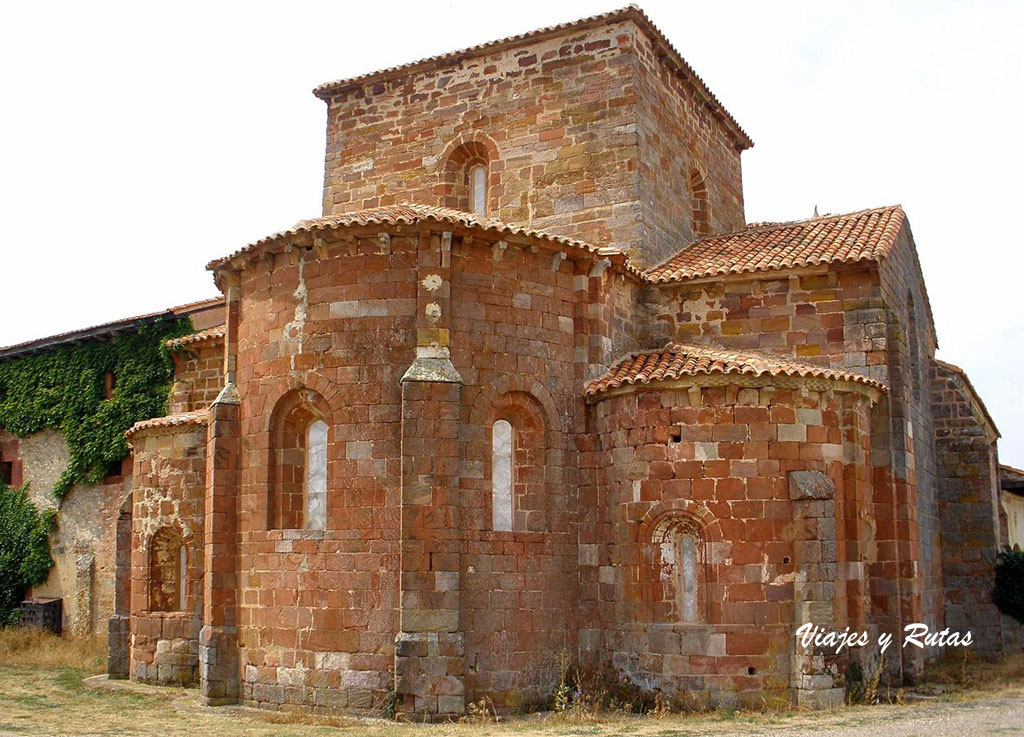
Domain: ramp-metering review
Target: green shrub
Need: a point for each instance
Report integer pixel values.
(1008, 593)
(24, 549)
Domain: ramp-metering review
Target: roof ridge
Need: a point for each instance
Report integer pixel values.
(861, 235)
(814, 219)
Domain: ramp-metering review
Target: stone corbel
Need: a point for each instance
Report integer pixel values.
(498, 251)
(556, 259)
(320, 246)
(446, 249)
(384, 239)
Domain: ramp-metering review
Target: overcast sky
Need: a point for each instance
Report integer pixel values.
(140, 140)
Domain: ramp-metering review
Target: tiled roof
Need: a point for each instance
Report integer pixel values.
(669, 55)
(969, 387)
(675, 361)
(867, 235)
(193, 339)
(405, 213)
(199, 417)
(105, 330)
(1010, 473)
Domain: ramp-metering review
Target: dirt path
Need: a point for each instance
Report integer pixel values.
(56, 701)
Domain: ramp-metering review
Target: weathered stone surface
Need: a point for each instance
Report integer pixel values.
(810, 485)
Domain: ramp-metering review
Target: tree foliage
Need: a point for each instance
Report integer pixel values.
(24, 548)
(1008, 593)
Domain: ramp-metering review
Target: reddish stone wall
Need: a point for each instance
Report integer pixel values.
(198, 377)
(319, 610)
(725, 465)
(168, 494)
(553, 116)
(830, 318)
(680, 136)
(586, 134)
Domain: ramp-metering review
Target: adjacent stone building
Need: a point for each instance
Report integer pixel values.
(531, 385)
(90, 517)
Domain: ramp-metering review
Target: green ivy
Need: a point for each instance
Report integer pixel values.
(63, 389)
(1008, 592)
(24, 549)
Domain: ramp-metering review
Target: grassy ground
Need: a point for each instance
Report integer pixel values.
(43, 692)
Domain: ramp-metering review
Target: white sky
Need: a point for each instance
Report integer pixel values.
(141, 140)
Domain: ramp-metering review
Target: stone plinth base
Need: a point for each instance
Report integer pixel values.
(118, 638)
(429, 670)
(218, 665)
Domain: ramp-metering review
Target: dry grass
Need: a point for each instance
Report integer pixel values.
(36, 648)
(969, 674)
(42, 693)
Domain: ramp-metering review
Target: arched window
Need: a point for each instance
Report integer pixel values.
(316, 476)
(466, 176)
(478, 189)
(502, 471)
(699, 205)
(168, 571)
(681, 570)
(298, 462)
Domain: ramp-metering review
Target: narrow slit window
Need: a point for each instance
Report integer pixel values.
(182, 577)
(501, 476)
(688, 578)
(478, 189)
(316, 475)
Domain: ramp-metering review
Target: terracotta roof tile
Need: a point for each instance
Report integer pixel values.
(867, 235)
(675, 361)
(670, 56)
(199, 417)
(104, 330)
(405, 213)
(210, 335)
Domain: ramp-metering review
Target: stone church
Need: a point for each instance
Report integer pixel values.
(532, 385)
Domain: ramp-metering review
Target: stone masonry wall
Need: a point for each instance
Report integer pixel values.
(168, 497)
(968, 499)
(514, 335)
(571, 146)
(827, 318)
(556, 119)
(911, 348)
(83, 545)
(319, 608)
(722, 458)
(198, 376)
(680, 136)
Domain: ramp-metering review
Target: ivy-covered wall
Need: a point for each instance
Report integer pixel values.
(65, 389)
